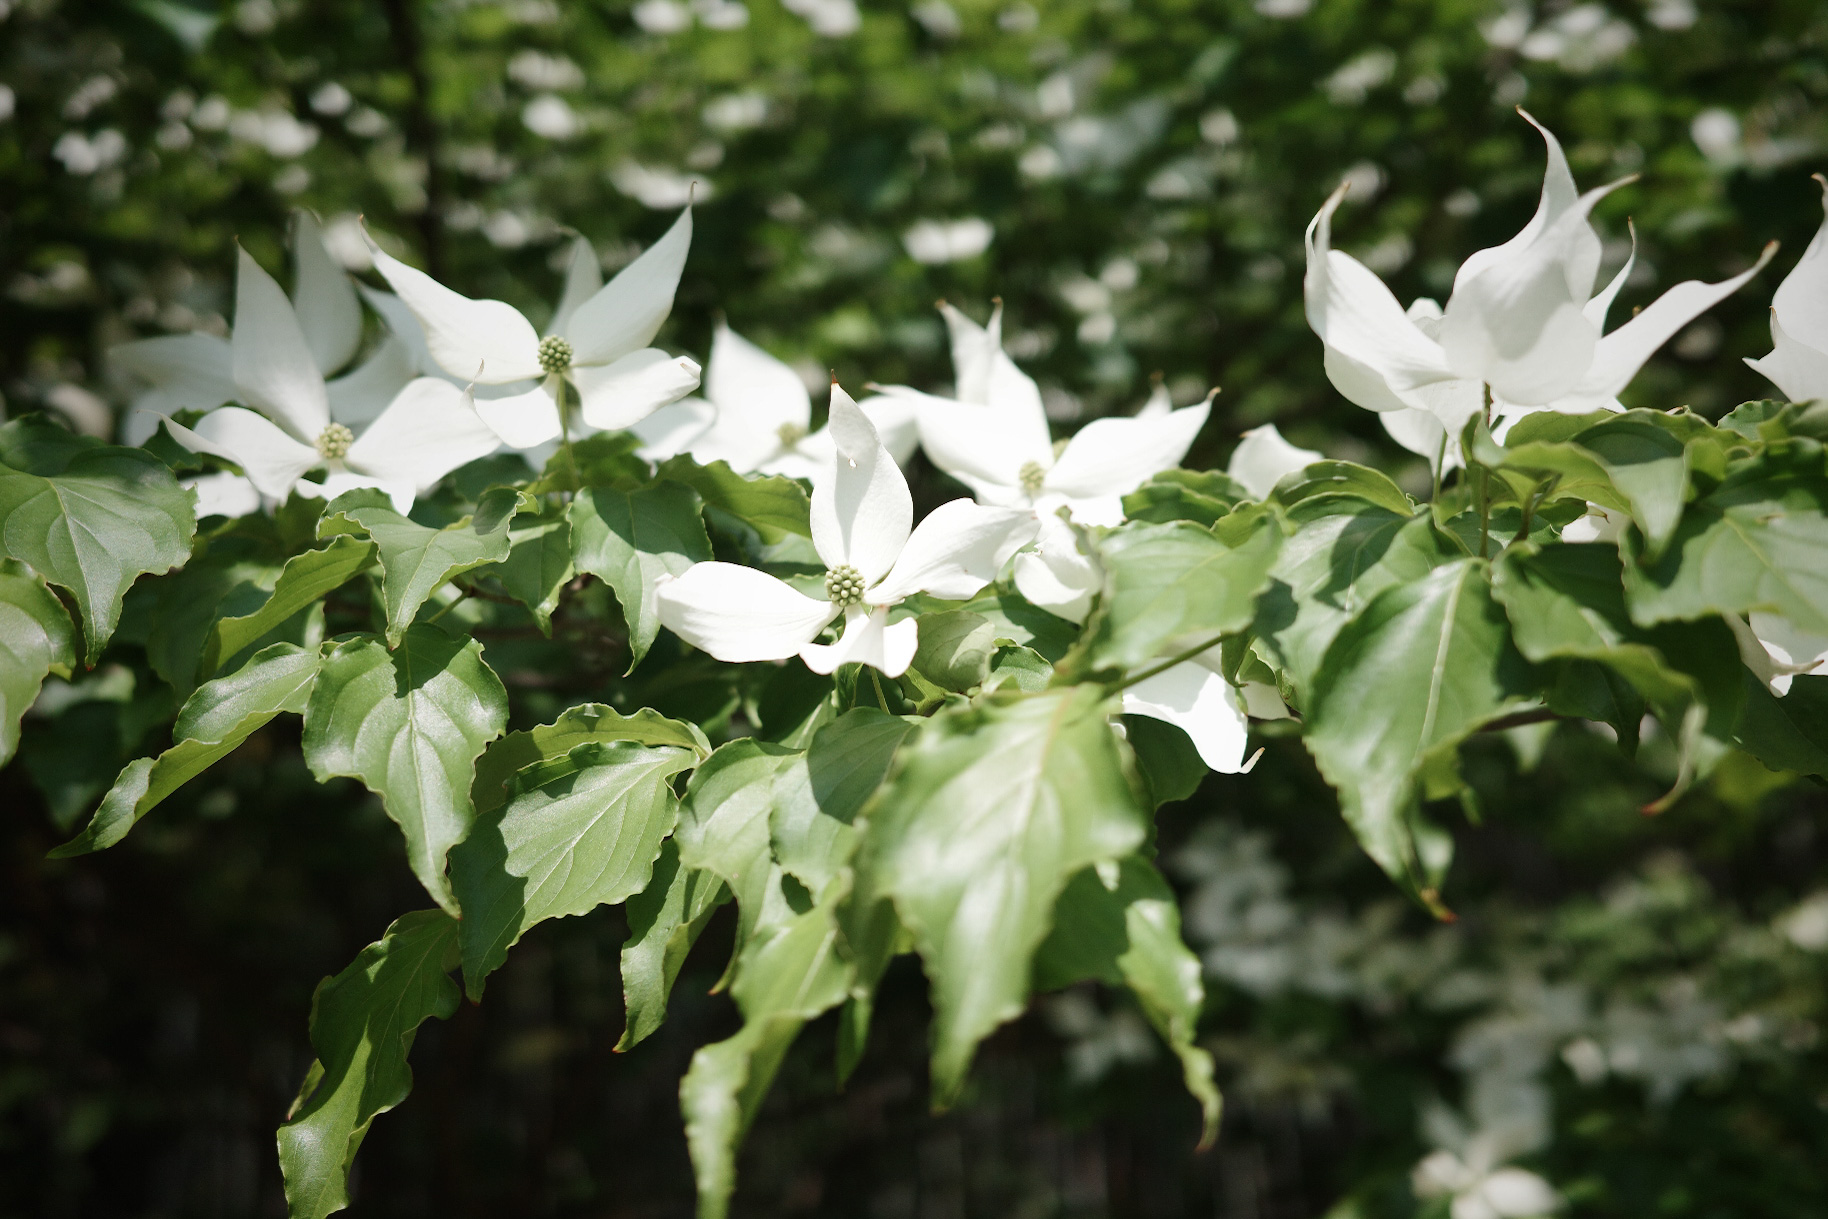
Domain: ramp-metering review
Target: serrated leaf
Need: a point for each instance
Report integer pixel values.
(409, 724)
(90, 518)
(1649, 465)
(1344, 480)
(1424, 665)
(576, 833)
(417, 560)
(818, 795)
(1129, 934)
(1200, 496)
(363, 1022)
(773, 505)
(215, 719)
(1758, 541)
(955, 649)
(629, 540)
(664, 921)
(578, 725)
(228, 576)
(1169, 587)
(989, 813)
(724, 827)
(538, 564)
(305, 578)
(36, 640)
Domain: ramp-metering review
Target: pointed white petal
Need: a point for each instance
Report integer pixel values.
(583, 280)
(1263, 457)
(1598, 525)
(626, 314)
(958, 549)
(1114, 456)
(756, 397)
(1801, 301)
(983, 447)
(524, 420)
(1513, 1193)
(673, 429)
(403, 494)
(895, 423)
(1559, 194)
(1427, 315)
(868, 639)
(1056, 576)
(1421, 433)
(428, 430)
(1620, 354)
(974, 350)
(1159, 403)
(272, 460)
(862, 514)
(273, 367)
(223, 494)
(1791, 651)
(191, 371)
(1796, 368)
(485, 341)
(1202, 704)
(737, 613)
(324, 297)
(365, 393)
(1597, 308)
(634, 387)
(406, 328)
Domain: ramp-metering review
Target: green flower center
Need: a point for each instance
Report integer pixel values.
(790, 434)
(334, 441)
(555, 354)
(844, 586)
(1032, 476)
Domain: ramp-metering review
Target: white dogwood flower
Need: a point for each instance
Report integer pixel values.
(757, 415)
(1522, 320)
(1195, 697)
(597, 342)
(861, 527)
(1481, 1191)
(195, 372)
(1263, 458)
(425, 432)
(1798, 363)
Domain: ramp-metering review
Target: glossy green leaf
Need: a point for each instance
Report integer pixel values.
(1200, 496)
(664, 921)
(306, 578)
(538, 565)
(88, 517)
(576, 833)
(629, 540)
(216, 718)
(363, 1022)
(1649, 466)
(724, 826)
(773, 505)
(989, 813)
(818, 795)
(578, 725)
(409, 723)
(1787, 733)
(417, 560)
(36, 640)
(1344, 480)
(955, 649)
(1424, 665)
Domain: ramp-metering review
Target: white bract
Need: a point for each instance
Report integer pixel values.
(597, 342)
(427, 430)
(1195, 697)
(1798, 363)
(195, 372)
(1263, 458)
(1523, 321)
(861, 527)
(1776, 651)
(1481, 1192)
(757, 415)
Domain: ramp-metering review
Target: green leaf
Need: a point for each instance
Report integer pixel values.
(578, 725)
(1788, 733)
(36, 640)
(664, 921)
(773, 505)
(363, 1022)
(1422, 667)
(1649, 466)
(306, 578)
(1128, 932)
(724, 826)
(818, 795)
(409, 724)
(991, 810)
(1166, 758)
(1344, 480)
(215, 719)
(538, 563)
(955, 649)
(1758, 541)
(89, 517)
(417, 560)
(1200, 496)
(1170, 587)
(629, 539)
(576, 833)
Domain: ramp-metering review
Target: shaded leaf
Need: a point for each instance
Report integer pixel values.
(664, 921)
(629, 540)
(818, 795)
(1200, 496)
(578, 725)
(773, 505)
(305, 578)
(538, 563)
(955, 649)
(36, 640)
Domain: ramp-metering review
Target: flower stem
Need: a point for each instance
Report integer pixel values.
(571, 458)
(1164, 666)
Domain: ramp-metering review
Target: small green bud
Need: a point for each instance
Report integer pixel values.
(334, 441)
(1032, 476)
(555, 354)
(844, 586)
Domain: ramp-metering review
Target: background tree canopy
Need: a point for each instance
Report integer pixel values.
(1631, 1004)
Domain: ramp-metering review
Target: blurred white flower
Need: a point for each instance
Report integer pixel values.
(1219, 127)
(941, 241)
(828, 18)
(331, 99)
(1672, 14)
(662, 16)
(1798, 363)
(1480, 1192)
(85, 154)
(1353, 80)
(1716, 133)
(721, 14)
(538, 70)
(551, 117)
(7, 102)
(660, 189)
(1263, 458)
(736, 112)
(1806, 924)
(938, 18)
(1283, 10)
(275, 130)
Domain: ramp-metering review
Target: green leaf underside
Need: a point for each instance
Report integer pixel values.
(576, 833)
(363, 1022)
(773, 505)
(216, 718)
(417, 560)
(90, 518)
(36, 640)
(629, 540)
(1424, 665)
(1788, 733)
(306, 578)
(409, 724)
(989, 813)
(578, 725)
